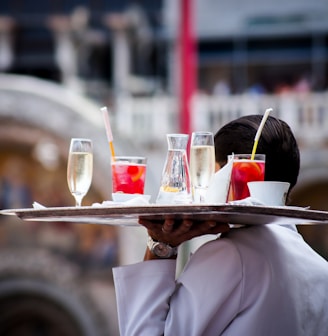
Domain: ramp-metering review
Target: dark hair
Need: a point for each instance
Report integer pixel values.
(277, 142)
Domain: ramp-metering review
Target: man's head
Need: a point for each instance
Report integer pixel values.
(277, 142)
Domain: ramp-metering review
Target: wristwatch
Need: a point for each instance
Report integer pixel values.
(160, 249)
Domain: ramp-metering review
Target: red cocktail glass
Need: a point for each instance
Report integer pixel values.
(245, 170)
(128, 174)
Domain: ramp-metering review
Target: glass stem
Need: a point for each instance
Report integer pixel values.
(78, 201)
(199, 195)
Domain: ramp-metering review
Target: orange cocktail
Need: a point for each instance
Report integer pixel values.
(245, 170)
(128, 174)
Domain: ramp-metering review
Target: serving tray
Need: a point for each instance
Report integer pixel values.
(128, 215)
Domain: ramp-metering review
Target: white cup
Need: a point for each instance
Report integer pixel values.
(272, 193)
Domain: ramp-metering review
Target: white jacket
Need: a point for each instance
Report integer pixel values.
(258, 280)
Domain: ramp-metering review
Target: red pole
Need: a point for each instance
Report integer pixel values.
(187, 62)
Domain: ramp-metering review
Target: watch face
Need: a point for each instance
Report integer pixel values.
(162, 250)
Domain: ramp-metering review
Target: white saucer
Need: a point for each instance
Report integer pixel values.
(122, 197)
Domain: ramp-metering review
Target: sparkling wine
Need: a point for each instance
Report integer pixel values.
(202, 165)
(79, 172)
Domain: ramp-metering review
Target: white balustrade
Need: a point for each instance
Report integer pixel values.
(147, 120)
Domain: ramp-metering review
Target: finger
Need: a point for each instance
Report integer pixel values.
(184, 227)
(145, 222)
(168, 225)
(211, 224)
(150, 225)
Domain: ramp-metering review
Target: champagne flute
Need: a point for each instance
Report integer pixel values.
(79, 168)
(202, 164)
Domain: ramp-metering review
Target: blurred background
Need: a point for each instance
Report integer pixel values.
(160, 67)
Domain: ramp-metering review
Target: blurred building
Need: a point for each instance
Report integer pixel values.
(61, 60)
(258, 45)
(92, 46)
(130, 46)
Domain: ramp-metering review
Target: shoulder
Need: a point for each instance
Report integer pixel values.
(238, 256)
(220, 248)
(219, 260)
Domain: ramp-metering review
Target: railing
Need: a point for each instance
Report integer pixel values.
(147, 120)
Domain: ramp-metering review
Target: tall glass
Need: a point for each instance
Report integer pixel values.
(245, 170)
(202, 164)
(79, 168)
(128, 174)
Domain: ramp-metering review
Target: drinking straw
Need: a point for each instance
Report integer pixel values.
(109, 133)
(259, 131)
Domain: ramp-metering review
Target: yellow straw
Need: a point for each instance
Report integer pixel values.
(259, 131)
(109, 133)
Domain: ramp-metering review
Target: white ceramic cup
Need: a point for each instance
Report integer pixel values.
(271, 193)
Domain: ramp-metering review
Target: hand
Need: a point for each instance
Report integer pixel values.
(174, 232)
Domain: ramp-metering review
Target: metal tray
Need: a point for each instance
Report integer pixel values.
(129, 215)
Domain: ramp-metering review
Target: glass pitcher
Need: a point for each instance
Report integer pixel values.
(175, 183)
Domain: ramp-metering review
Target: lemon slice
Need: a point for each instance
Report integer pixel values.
(170, 189)
(135, 172)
